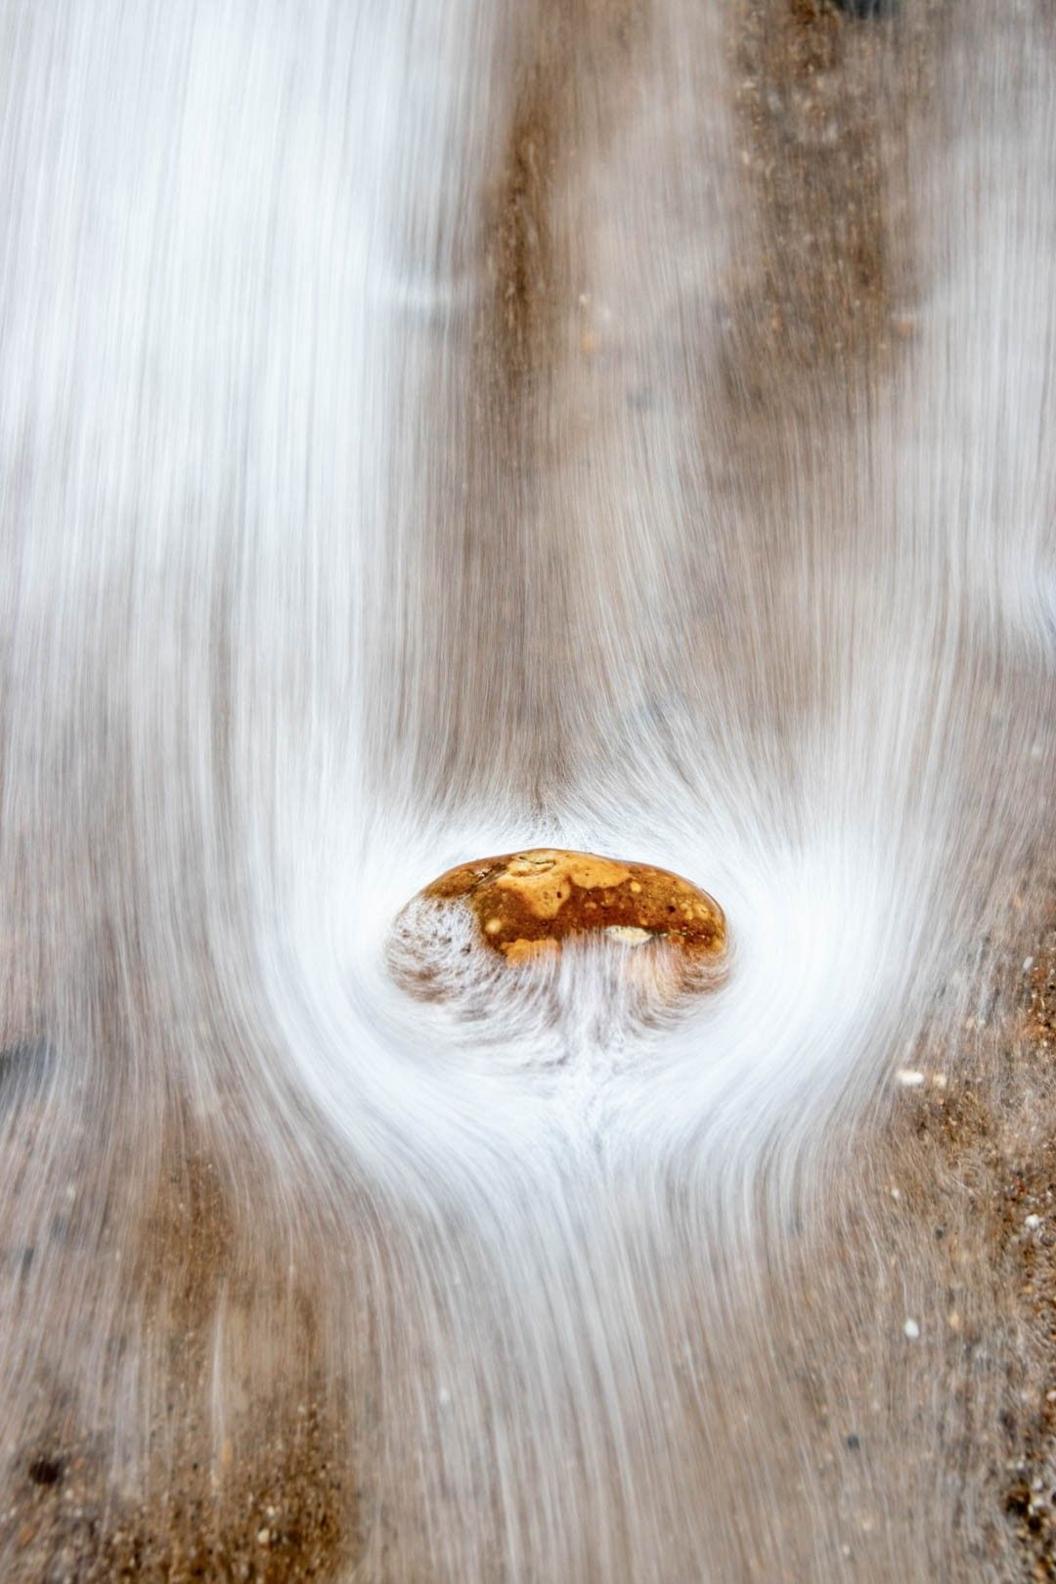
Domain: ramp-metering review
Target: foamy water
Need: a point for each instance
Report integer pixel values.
(407, 456)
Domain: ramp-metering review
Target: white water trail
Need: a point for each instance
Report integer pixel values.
(291, 624)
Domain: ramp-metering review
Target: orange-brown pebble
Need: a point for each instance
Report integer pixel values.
(527, 903)
(523, 950)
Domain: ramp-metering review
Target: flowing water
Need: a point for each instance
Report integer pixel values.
(434, 429)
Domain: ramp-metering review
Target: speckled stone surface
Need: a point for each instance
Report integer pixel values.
(527, 903)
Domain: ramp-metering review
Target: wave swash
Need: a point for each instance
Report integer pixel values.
(612, 427)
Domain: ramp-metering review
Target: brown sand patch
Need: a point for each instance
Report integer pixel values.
(274, 1515)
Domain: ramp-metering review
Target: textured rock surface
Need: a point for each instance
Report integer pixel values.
(527, 903)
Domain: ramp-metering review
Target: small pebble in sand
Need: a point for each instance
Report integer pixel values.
(911, 1329)
(909, 1077)
(1032, 1222)
(547, 894)
(528, 905)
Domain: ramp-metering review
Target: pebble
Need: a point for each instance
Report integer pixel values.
(912, 1330)
(527, 904)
